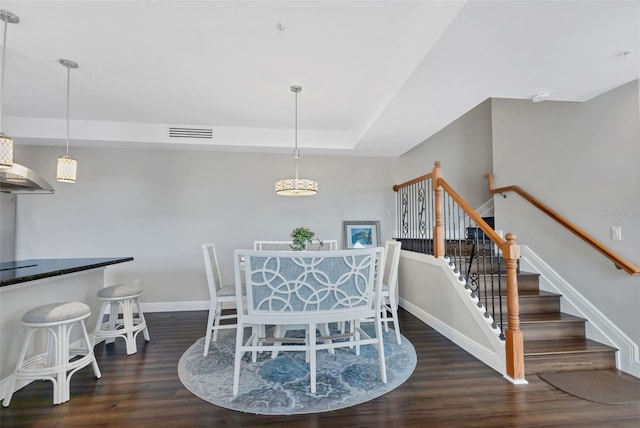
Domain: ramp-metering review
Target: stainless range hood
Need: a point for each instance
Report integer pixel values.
(20, 179)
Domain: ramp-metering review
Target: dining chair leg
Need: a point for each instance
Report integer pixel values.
(324, 331)
(255, 330)
(385, 318)
(383, 367)
(237, 359)
(396, 324)
(312, 342)
(207, 337)
(216, 322)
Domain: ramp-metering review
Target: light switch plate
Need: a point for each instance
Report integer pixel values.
(616, 233)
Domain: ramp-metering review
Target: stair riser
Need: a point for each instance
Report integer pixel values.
(563, 362)
(552, 330)
(536, 304)
(528, 283)
(525, 282)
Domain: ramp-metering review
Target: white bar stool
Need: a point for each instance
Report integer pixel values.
(127, 327)
(55, 364)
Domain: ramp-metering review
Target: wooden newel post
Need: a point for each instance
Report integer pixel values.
(438, 229)
(513, 336)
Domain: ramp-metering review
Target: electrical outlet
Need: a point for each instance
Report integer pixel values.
(616, 233)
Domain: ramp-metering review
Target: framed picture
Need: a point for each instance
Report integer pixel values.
(360, 234)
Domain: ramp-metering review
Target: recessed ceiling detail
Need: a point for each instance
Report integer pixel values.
(385, 75)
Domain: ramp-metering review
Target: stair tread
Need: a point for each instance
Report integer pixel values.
(564, 346)
(542, 317)
(535, 293)
(529, 293)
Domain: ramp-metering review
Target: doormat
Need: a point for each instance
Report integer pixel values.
(599, 386)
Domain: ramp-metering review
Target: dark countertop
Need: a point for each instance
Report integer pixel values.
(29, 270)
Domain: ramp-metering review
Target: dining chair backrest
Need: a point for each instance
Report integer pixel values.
(392, 255)
(272, 245)
(292, 287)
(327, 245)
(211, 268)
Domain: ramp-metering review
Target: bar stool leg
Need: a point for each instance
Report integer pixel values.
(142, 319)
(127, 318)
(94, 363)
(113, 319)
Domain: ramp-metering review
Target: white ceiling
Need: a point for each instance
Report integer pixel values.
(378, 77)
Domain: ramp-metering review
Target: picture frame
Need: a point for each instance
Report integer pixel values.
(360, 234)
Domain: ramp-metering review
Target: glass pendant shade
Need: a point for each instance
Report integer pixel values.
(67, 166)
(6, 151)
(296, 186)
(66, 170)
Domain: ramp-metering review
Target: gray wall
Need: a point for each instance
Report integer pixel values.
(159, 206)
(463, 148)
(583, 161)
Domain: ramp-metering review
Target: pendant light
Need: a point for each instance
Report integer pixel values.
(6, 143)
(296, 186)
(67, 166)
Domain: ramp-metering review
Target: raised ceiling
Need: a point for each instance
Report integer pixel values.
(378, 77)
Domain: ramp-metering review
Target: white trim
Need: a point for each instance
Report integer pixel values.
(201, 305)
(486, 208)
(600, 327)
(516, 381)
(494, 358)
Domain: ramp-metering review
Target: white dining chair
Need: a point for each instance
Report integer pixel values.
(219, 295)
(327, 245)
(390, 286)
(303, 288)
(272, 245)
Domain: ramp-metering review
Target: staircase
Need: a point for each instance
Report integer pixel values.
(555, 341)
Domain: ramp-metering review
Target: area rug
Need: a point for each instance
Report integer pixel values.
(599, 386)
(281, 385)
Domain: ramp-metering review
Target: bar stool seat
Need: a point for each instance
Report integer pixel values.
(128, 327)
(60, 361)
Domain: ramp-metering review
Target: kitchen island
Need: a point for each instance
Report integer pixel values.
(25, 284)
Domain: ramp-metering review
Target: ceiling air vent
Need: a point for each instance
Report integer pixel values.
(191, 133)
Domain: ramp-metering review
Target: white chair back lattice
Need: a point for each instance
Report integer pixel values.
(309, 288)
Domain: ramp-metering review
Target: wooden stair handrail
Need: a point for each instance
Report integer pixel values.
(477, 219)
(514, 341)
(617, 260)
(397, 187)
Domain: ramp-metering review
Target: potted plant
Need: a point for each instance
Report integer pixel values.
(301, 236)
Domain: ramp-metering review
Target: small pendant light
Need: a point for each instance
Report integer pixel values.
(6, 143)
(67, 166)
(296, 186)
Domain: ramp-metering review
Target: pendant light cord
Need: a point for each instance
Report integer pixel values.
(68, 86)
(296, 153)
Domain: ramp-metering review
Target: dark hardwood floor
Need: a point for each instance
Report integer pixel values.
(449, 388)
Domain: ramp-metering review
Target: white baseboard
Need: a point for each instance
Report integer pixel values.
(202, 305)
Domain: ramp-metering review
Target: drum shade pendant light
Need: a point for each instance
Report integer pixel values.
(6, 143)
(296, 186)
(67, 166)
